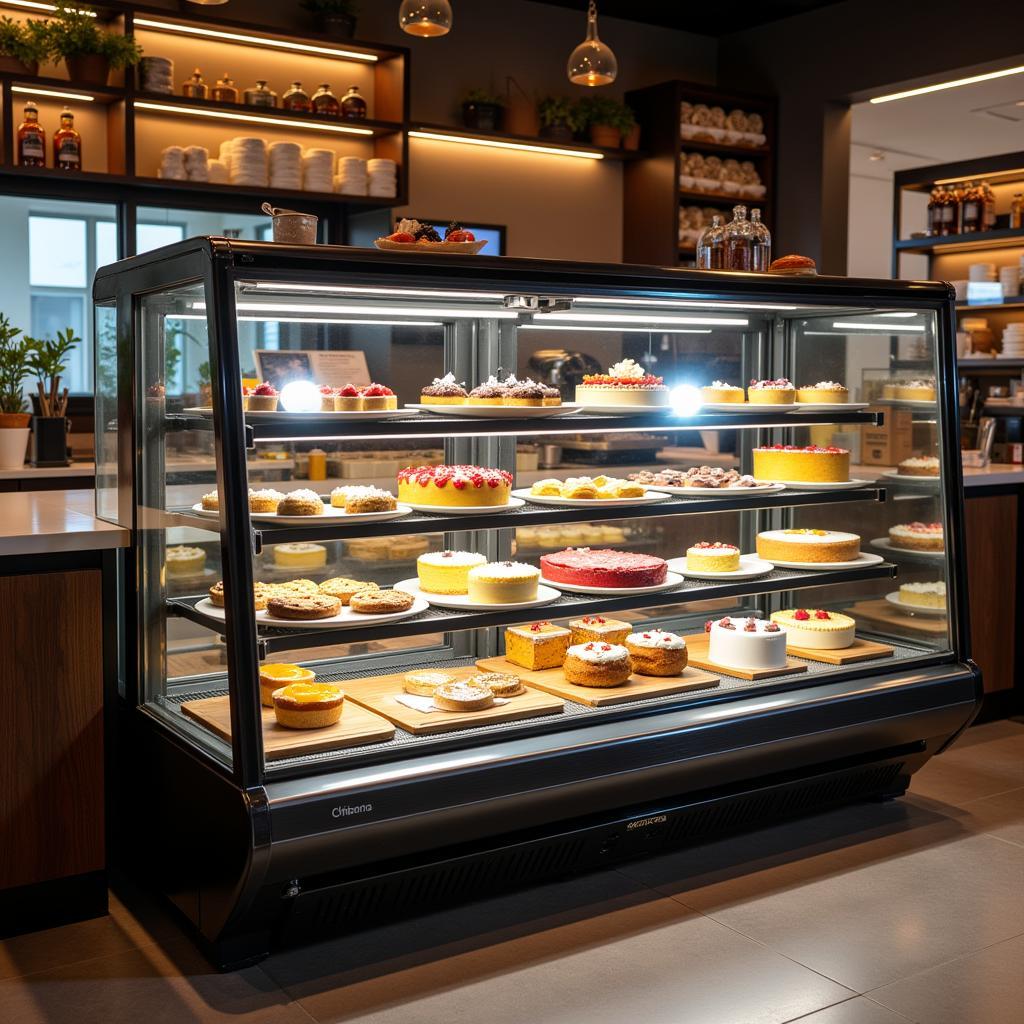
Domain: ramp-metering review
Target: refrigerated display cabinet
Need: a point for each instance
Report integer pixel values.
(263, 836)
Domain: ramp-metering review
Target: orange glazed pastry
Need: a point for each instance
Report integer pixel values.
(597, 664)
(274, 676)
(597, 627)
(308, 705)
(536, 646)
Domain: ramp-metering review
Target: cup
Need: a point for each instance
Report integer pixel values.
(961, 290)
(1009, 278)
(295, 228)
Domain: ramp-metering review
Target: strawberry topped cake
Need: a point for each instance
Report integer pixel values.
(771, 392)
(804, 464)
(263, 398)
(816, 628)
(917, 536)
(625, 384)
(603, 567)
(454, 486)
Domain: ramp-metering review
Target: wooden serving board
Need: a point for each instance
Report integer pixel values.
(356, 728)
(698, 645)
(552, 680)
(859, 650)
(378, 695)
(886, 613)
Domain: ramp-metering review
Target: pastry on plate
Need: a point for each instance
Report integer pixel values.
(917, 536)
(771, 392)
(712, 556)
(503, 583)
(795, 265)
(923, 595)
(919, 465)
(827, 391)
(597, 664)
(525, 393)
(603, 567)
(359, 500)
(300, 554)
(463, 695)
(302, 606)
(597, 628)
(264, 500)
(816, 628)
(444, 390)
(810, 463)
(491, 392)
(549, 488)
(344, 589)
(263, 398)
(501, 684)
(308, 705)
(626, 384)
(375, 397)
(184, 560)
(274, 676)
(447, 572)
(381, 602)
(655, 652)
(260, 592)
(538, 645)
(328, 395)
(454, 486)
(746, 643)
(348, 399)
(423, 682)
(719, 392)
(302, 502)
(806, 545)
(210, 502)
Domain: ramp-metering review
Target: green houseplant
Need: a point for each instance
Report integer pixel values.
(15, 352)
(559, 119)
(48, 360)
(482, 111)
(606, 120)
(89, 50)
(333, 17)
(23, 47)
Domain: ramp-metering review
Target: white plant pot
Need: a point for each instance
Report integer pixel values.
(13, 445)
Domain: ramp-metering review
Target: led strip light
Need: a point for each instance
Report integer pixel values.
(955, 84)
(227, 115)
(53, 92)
(525, 147)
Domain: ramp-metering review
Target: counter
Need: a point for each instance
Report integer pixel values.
(45, 522)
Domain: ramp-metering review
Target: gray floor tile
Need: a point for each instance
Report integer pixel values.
(986, 987)
(987, 760)
(1001, 816)
(859, 1010)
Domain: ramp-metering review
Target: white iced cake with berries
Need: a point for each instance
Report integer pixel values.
(746, 643)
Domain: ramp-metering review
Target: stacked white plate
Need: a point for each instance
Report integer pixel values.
(156, 74)
(981, 272)
(197, 163)
(224, 156)
(172, 164)
(318, 170)
(249, 161)
(284, 160)
(219, 173)
(1013, 340)
(351, 179)
(383, 177)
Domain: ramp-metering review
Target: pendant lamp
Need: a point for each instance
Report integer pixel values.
(592, 63)
(425, 18)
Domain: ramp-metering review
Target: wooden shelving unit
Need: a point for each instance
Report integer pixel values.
(500, 139)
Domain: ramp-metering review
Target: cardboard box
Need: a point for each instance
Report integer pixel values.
(891, 443)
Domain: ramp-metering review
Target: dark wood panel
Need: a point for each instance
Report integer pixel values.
(991, 527)
(51, 726)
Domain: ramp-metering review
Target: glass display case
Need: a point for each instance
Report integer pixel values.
(279, 428)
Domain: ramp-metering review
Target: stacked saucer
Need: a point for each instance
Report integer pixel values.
(156, 74)
(1013, 340)
(383, 177)
(285, 162)
(318, 170)
(248, 162)
(351, 179)
(197, 163)
(172, 164)
(219, 173)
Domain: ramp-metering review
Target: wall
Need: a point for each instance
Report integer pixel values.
(869, 240)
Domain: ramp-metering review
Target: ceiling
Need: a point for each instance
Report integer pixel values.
(691, 16)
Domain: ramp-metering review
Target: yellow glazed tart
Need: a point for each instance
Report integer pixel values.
(308, 705)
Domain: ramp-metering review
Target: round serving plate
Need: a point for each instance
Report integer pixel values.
(748, 407)
(650, 498)
(625, 410)
(467, 510)
(831, 406)
(864, 559)
(750, 568)
(672, 580)
(719, 492)
(909, 403)
(498, 412)
(842, 485)
(915, 609)
(466, 248)
(189, 579)
(897, 553)
(910, 479)
(545, 595)
(345, 619)
(330, 515)
(367, 415)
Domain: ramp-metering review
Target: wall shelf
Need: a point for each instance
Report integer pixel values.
(975, 241)
(522, 143)
(723, 197)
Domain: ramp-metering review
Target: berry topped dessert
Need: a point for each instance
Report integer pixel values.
(455, 232)
(826, 391)
(410, 233)
(624, 384)
(816, 628)
(802, 464)
(454, 485)
(263, 398)
(377, 396)
(771, 392)
(444, 390)
(746, 643)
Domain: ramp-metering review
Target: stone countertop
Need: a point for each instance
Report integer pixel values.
(44, 522)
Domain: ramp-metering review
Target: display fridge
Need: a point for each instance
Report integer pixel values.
(342, 470)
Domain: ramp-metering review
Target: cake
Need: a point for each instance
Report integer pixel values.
(827, 391)
(308, 705)
(374, 397)
(348, 399)
(919, 465)
(424, 682)
(375, 601)
(655, 652)
(503, 583)
(537, 646)
(344, 588)
(603, 567)
(302, 502)
(624, 384)
(501, 684)
(718, 392)
(300, 554)
(597, 627)
(358, 500)
(444, 390)
(454, 486)
(274, 676)
(923, 595)
(463, 695)
(916, 390)
(184, 560)
(446, 572)
(597, 664)
(917, 536)
(794, 265)
(746, 643)
(491, 392)
(327, 398)
(802, 464)
(712, 556)
(210, 502)
(771, 392)
(803, 545)
(265, 500)
(263, 398)
(525, 392)
(816, 628)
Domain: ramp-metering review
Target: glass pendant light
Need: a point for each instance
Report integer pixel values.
(427, 18)
(592, 63)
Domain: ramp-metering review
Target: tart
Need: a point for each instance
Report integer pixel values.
(919, 465)
(655, 652)
(423, 682)
(375, 397)
(444, 390)
(624, 384)
(803, 545)
(804, 464)
(265, 500)
(827, 391)
(454, 486)
(291, 587)
(525, 392)
(552, 396)
(447, 572)
(771, 392)
(380, 602)
(597, 627)
(263, 398)
(184, 560)
(501, 684)
(719, 392)
(302, 606)
(308, 705)
(537, 646)
(924, 595)
(746, 643)
(463, 695)
(503, 583)
(300, 554)
(712, 556)
(603, 567)
(917, 536)
(274, 676)
(348, 399)
(344, 589)
(916, 390)
(491, 392)
(360, 500)
(598, 664)
(328, 395)
(816, 628)
(302, 502)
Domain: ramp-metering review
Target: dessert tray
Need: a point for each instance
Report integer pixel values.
(750, 568)
(915, 609)
(671, 580)
(466, 248)
(545, 595)
(911, 478)
(842, 485)
(864, 559)
(467, 510)
(330, 514)
(720, 492)
(625, 410)
(897, 553)
(831, 406)
(345, 619)
(368, 415)
(650, 498)
(498, 412)
(750, 407)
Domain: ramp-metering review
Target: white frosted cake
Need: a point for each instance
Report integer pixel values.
(746, 643)
(626, 383)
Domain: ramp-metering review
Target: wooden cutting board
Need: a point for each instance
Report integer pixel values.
(886, 613)
(356, 727)
(859, 650)
(698, 645)
(378, 694)
(552, 680)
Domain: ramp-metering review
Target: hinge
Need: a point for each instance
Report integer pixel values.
(250, 437)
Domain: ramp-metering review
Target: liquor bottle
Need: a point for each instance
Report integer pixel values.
(1017, 211)
(739, 241)
(67, 144)
(762, 242)
(935, 211)
(296, 98)
(31, 139)
(972, 209)
(988, 198)
(195, 88)
(353, 106)
(261, 96)
(710, 251)
(325, 103)
(225, 90)
(949, 212)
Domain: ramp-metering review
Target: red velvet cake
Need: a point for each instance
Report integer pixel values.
(603, 567)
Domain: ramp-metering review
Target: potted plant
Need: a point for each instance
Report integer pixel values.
(14, 368)
(630, 130)
(23, 47)
(482, 111)
(606, 120)
(520, 110)
(558, 118)
(333, 17)
(48, 360)
(89, 51)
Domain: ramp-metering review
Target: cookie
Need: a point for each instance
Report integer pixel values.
(303, 606)
(381, 602)
(261, 592)
(343, 588)
(293, 587)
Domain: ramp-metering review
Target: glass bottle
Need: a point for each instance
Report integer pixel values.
(195, 88)
(353, 106)
(1017, 210)
(225, 91)
(988, 198)
(739, 241)
(31, 139)
(972, 208)
(67, 144)
(296, 98)
(935, 211)
(710, 253)
(762, 242)
(325, 103)
(261, 96)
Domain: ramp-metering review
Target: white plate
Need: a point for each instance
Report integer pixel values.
(910, 403)
(330, 515)
(671, 580)
(748, 407)
(650, 498)
(312, 417)
(719, 492)
(843, 485)
(886, 545)
(467, 510)
(750, 568)
(345, 619)
(906, 478)
(858, 563)
(499, 412)
(831, 406)
(545, 595)
(915, 609)
(625, 410)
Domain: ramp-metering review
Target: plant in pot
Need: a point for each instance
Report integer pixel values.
(606, 120)
(482, 111)
(90, 51)
(14, 368)
(630, 130)
(48, 360)
(333, 17)
(559, 120)
(23, 47)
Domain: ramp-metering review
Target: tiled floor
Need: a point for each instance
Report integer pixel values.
(876, 914)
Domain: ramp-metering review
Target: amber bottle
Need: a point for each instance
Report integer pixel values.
(67, 144)
(31, 139)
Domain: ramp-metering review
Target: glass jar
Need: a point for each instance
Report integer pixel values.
(261, 96)
(224, 91)
(325, 103)
(972, 208)
(949, 220)
(296, 98)
(1017, 210)
(762, 242)
(353, 106)
(195, 88)
(739, 241)
(710, 252)
(935, 211)
(988, 200)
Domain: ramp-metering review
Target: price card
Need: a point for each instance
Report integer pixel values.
(281, 366)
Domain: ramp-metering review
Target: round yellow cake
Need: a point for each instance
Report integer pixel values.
(810, 464)
(300, 555)
(503, 583)
(454, 486)
(708, 556)
(802, 545)
(825, 391)
(719, 392)
(447, 572)
(816, 628)
(771, 392)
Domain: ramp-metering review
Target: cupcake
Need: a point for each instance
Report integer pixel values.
(264, 398)
(657, 653)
